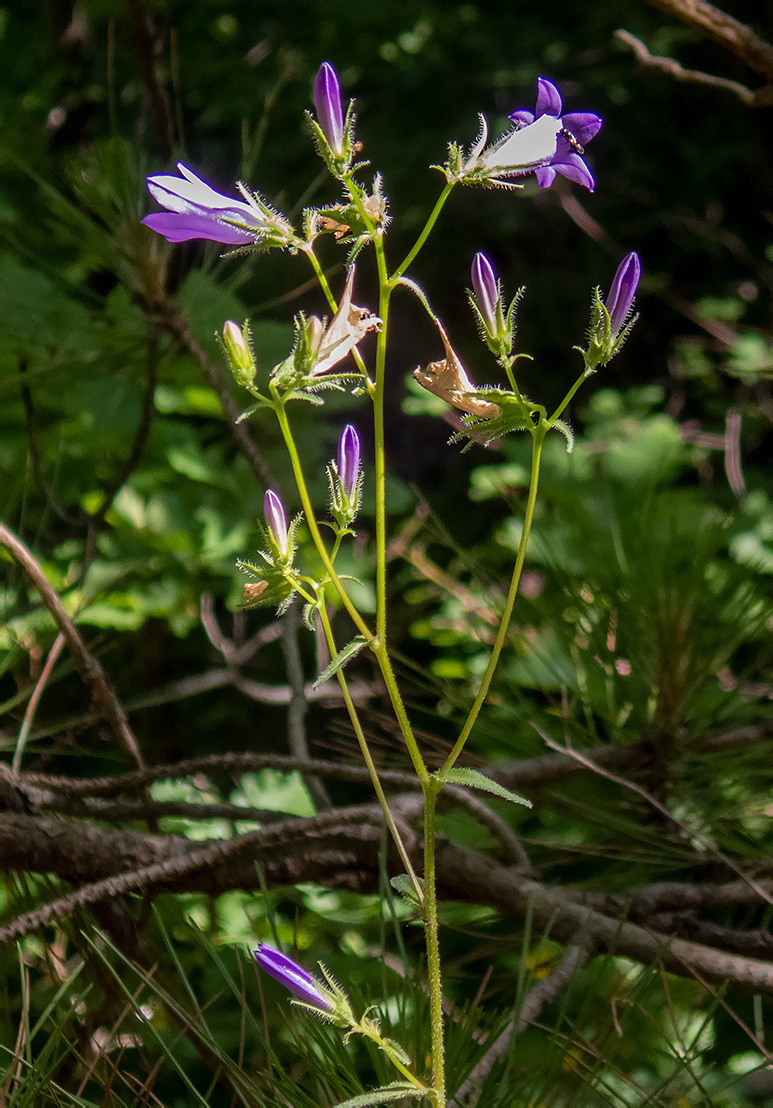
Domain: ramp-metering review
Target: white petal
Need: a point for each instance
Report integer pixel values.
(177, 194)
(529, 146)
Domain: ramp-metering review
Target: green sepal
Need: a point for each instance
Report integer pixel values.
(475, 780)
(308, 616)
(395, 1051)
(340, 660)
(511, 418)
(396, 1091)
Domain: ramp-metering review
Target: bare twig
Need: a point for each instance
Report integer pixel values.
(34, 700)
(678, 72)
(733, 35)
(88, 667)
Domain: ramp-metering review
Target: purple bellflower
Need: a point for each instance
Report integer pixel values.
(196, 211)
(348, 460)
(622, 292)
(327, 101)
(276, 519)
(294, 977)
(574, 131)
(486, 287)
(516, 153)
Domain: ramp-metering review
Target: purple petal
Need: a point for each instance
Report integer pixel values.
(484, 283)
(574, 169)
(522, 116)
(545, 175)
(548, 99)
(181, 226)
(583, 125)
(274, 511)
(294, 977)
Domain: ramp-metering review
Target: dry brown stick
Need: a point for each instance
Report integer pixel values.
(678, 72)
(339, 850)
(86, 664)
(730, 33)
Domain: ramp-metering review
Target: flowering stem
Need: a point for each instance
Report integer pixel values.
(431, 220)
(311, 521)
(433, 948)
(538, 437)
(365, 750)
(569, 395)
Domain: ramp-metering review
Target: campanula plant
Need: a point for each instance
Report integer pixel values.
(345, 347)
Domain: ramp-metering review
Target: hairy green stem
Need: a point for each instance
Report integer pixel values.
(366, 754)
(311, 521)
(433, 949)
(569, 395)
(538, 437)
(431, 220)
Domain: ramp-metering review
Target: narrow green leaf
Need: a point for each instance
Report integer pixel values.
(341, 658)
(383, 1095)
(475, 780)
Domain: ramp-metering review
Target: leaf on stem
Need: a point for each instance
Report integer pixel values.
(341, 658)
(395, 1091)
(475, 780)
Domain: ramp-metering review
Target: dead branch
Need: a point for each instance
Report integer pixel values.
(679, 73)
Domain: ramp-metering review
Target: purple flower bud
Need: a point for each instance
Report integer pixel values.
(484, 282)
(294, 977)
(624, 286)
(348, 460)
(274, 511)
(327, 101)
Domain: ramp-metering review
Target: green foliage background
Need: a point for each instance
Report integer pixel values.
(647, 607)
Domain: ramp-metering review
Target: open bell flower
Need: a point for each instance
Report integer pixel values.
(197, 211)
(517, 152)
(573, 132)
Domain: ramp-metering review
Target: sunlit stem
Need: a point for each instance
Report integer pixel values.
(570, 394)
(364, 1030)
(366, 755)
(538, 437)
(431, 220)
(311, 522)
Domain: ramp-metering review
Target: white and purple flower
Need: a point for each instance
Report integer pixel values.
(573, 132)
(197, 211)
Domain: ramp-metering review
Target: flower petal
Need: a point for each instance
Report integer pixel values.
(548, 99)
(583, 125)
(292, 976)
(574, 169)
(526, 147)
(522, 116)
(546, 175)
(181, 226)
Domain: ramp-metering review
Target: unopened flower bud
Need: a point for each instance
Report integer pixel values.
(623, 290)
(349, 460)
(327, 101)
(276, 519)
(236, 341)
(486, 288)
(294, 977)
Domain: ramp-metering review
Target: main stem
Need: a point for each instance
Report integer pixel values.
(433, 949)
(538, 437)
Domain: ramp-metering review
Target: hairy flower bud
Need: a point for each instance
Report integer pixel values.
(327, 101)
(236, 342)
(486, 288)
(348, 460)
(294, 977)
(623, 290)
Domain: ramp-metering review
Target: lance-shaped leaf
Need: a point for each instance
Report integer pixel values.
(396, 1091)
(340, 660)
(475, 780)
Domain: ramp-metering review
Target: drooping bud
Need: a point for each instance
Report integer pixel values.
(327, 101)
(294, 977)
(349, 460)
(486, 288)
(238, 350)
(623, 290)
(276, 520)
